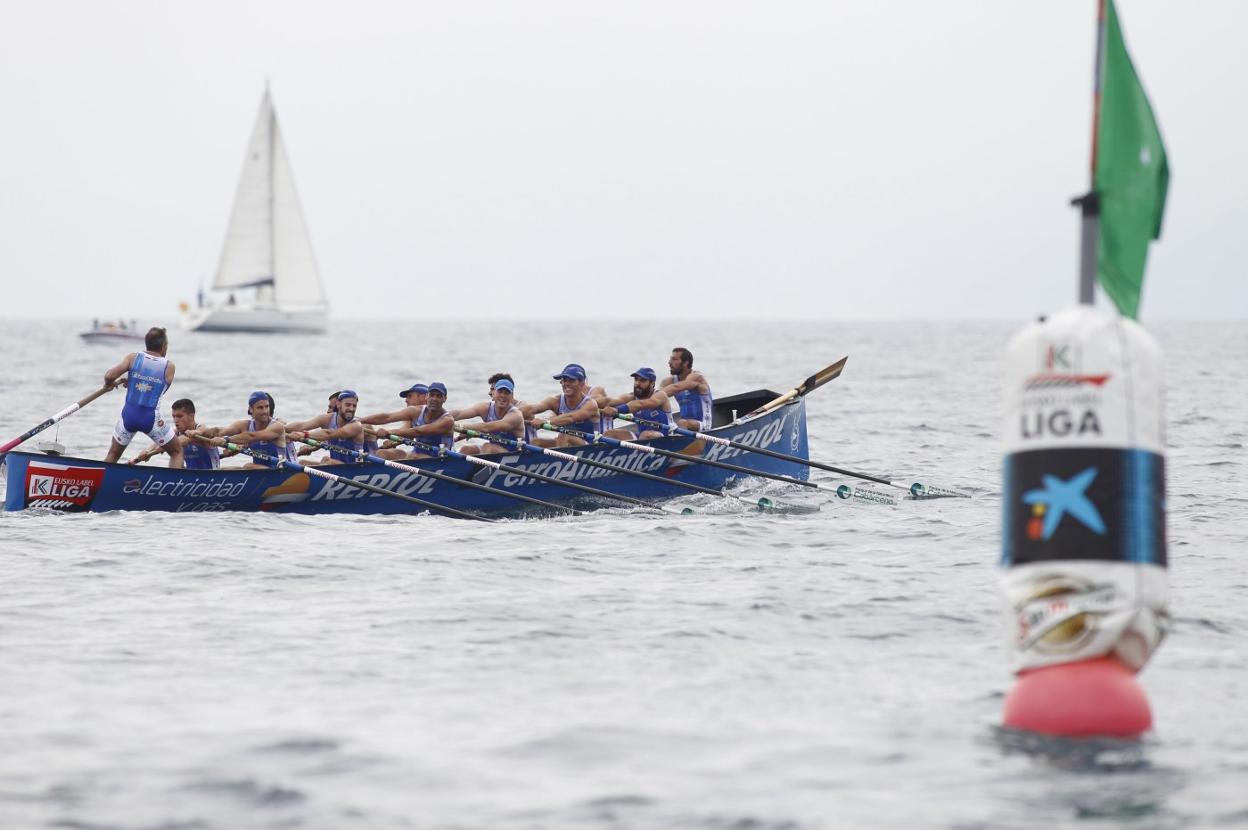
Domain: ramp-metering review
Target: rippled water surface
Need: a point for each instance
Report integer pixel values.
(727, 669)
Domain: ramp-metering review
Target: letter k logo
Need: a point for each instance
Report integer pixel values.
(1057, 498)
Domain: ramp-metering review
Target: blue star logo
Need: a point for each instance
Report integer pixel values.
(1057, 498)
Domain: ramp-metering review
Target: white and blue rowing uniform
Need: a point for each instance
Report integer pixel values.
(584, 427)
(436, 441)
(199, 456)
(145, 383)
(696, 406)
(270, 448)
(347, 444)
(655, 415)
(501, 438)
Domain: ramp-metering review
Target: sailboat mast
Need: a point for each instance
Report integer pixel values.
(1089, 203)
(272, 211)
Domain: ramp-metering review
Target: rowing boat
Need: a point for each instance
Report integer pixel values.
(67, 484)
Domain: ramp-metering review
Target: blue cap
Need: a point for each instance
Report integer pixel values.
(503, 383)
(419, 388)
(438, 387)
(257, 396)
(347, 393)
(575, 371)
(645, 372)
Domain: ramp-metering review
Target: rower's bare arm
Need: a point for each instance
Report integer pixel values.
(442, 426)
(169, 370)
(587, 411)
(477, 410)
(610, 407)
(351, 430)
(312, 423)
(110, 377)
(387, 417)
(682, 385)
(153, 450)
(544, 405)
(508, 423)
(658, 400)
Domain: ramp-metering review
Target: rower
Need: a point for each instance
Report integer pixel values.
(500, 417)
(148, 374)
(307, 449)
(416, 397)
(337, 428)
(196, 456)
(646, 403)
(691, 390)
(574, 408)
(433, 425)
(261, 432)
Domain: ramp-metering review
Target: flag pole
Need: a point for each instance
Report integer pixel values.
(1089, 204)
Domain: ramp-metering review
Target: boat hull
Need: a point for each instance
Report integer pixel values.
(81, 485)
(257, 319)
(111, 336)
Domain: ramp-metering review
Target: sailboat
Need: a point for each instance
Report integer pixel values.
(267, 279)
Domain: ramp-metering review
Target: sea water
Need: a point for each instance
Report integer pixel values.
(725, 669)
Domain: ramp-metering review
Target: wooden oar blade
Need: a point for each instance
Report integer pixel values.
(805, 387)
(820, 378)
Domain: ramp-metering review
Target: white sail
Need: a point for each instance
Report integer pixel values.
(298, 280)
(267, 239)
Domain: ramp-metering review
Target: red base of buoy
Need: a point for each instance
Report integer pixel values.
(1090, 698)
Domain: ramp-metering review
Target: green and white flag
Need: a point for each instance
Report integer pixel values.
(1131, 174)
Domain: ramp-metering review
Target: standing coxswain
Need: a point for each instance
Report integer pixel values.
(432, 424)
(148, 374)
(645, 402)
(574, 408)
(195, 456)
(691, 390)
(500, 417)
(337, 427)
(261, 432)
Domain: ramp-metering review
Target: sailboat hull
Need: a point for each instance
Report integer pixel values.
(257, 320)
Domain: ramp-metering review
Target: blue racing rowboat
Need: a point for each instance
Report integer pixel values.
(39, 481)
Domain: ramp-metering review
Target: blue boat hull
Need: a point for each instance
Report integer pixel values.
(78, 485)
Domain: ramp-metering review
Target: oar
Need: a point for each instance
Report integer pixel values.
(407, 468)
(761, 504)
(60, 416)
(805, 387)
(381, 491)
(917, 489)
(843, 491)
(494, 465)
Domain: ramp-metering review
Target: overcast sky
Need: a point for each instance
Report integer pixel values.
(675, 159)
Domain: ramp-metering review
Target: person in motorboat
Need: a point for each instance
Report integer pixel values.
(645, 402)
(500, 416)
(433, 425)
(574, 407)
(195, 455)
(148, 374)
(691, 390)
(260, 431)
(337, 427)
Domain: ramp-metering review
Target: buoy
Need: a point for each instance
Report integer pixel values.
(1083, 537)
(1090, 698)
